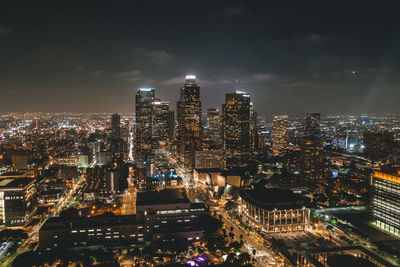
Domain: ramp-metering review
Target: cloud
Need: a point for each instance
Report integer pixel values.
(5, 30)
(231, 12)
(222, 80)
(130, 76)
(98, 72)
(158, 56)
(314, 38)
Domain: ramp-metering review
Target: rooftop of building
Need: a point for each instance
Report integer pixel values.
(11, 183)
(86, 222)
(165, 196)
(208, 170)
(274, 198)
(8, 174)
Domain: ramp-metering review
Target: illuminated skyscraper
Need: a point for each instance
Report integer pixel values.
(214, 127)
(144, 116)
(311, 158)
(236, 127)
(160, 122)
(385, 200)
(279, 143)
(189, 120)
(312, 124)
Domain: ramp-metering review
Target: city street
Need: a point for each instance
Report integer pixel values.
(196, 193)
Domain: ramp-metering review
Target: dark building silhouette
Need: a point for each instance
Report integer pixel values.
(116, 126)
(311, 159)
(171, 125)
(378, 145)
(312, 124)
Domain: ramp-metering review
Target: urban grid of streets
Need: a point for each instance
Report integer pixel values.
(196, 193)
(252, 240)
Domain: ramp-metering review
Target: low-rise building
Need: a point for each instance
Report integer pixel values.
(275, 210)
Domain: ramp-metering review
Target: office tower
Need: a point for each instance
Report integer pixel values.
(17, 200)
(312, 124)
(385, 200)
(253, 128)
(279, 135)
(160, 123)
(214, 127)
(171, 125)
(378, 145)
(115, 126)
(189, 120)
(236, 127)
(144, 116)
(311, 158)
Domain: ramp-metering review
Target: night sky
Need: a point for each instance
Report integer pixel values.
(292, 57)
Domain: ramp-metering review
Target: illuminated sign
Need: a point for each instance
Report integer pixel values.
(146, 89)
(190, 77)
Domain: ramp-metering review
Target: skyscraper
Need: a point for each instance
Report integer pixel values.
(171, 125)
(115, 126)
(279, 143)
(312, 124)
(189, 120)
(236, 127)
(385, 200)
(311, 158)
(160, 122)
(214, 127)
(378, 145)
(144, 116)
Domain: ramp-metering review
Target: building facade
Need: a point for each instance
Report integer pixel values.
(189, 120)
(279, 142)
(275, 210)
(160, 123)
(144, 116)
(385, 200)
(236, 127)
(17, 201)
(311, 159)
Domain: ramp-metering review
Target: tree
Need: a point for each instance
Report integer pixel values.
(231, 235)
(235, 246)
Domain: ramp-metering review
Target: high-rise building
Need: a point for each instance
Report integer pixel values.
(311, 158)
(144, 116)
(171, 125)
(214, 127)
(312, 124)
(236, 127)
(115, 125)
(160, 122)
(279, 143)
(189, 120)
(378, 145)
(385, 200)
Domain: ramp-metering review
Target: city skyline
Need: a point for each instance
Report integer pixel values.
(92, 59)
